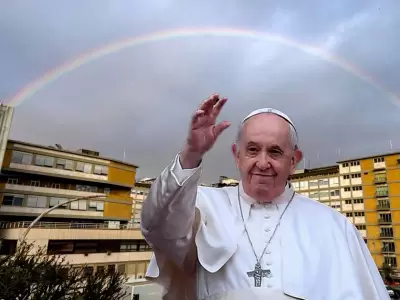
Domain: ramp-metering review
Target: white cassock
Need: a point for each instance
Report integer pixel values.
(316, 253)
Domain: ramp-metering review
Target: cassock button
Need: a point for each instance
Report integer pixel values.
(270, 285)
(269, 263)
(267, 229)
(267, 217)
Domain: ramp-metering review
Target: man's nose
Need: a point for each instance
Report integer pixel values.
(263, 161)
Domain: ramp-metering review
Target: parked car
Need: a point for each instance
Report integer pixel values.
(392, 293)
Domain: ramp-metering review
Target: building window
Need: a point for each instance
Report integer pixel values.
(356, 175)
(86, 188)
(35, 183)
(79, 205)
(83, 167)
(357, 188)
(44, 161)
(12, 180)
(361, 227)
(388, 247)
(121, 269)
(349, 214)
(96, 205)
(334, 181)
(359, 214)
(323, 182)
(303, 184)
(335, 193)
(387, 232)
(37, 201)
(346, 176)
(347, 202)
(382, 190)
(391, 261)
(100, 170)
(324, 194)
(13, 200)
(110, 269)
(385, 217)
(64, 164)
(134, 246)
(314, 183)
(55, 185)
(347, 189)
(345, 165)
(55, 201)
(21, 158)
(380, 177)
(358, 201)
(107, 191)
(354, 163)
(88, 270)
(379, 160)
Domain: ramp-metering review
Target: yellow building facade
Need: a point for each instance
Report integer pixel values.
(367, 191)
(36, 178)
(379, 178)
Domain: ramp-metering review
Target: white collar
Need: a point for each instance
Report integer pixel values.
(247, 202)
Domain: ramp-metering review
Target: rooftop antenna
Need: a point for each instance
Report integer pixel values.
(391, 145)
(124, 155)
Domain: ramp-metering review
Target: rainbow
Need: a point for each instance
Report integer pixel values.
(33, 87)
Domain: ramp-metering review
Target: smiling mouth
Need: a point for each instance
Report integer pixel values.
(265, 175)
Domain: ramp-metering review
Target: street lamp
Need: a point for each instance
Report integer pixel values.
(98, 198)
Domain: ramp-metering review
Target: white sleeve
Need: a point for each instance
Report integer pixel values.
(168, 213)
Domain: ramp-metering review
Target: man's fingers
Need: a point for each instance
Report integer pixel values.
(218, 129)
(209, 103)
(218, 107)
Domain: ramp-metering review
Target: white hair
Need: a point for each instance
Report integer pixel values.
(294, 139)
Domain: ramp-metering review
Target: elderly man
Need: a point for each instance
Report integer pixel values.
(259, 240)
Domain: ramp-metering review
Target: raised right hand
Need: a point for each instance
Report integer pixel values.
(203, 131)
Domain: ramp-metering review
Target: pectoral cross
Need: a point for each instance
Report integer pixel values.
(258, 274)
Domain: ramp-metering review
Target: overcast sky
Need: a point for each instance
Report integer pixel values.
(141, 98)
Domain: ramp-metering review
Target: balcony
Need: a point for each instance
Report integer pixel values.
(386, 235)
(18, 188)
(54, 172)
(382, 179)
(382, 194)
(384, 221)
(384, 205)
(70, 231)
(379, 165)
(387, 250)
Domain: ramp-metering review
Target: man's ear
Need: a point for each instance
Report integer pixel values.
(235, 153)
(296, 159)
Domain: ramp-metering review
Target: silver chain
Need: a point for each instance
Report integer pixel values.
(276, 227)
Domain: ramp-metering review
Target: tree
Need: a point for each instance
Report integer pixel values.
(39, 276)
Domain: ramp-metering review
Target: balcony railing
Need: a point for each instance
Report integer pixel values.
(61, 225)
(383, 221)
(382, 194)
(386, 235)
(387, 250)
(383, 206)
(380, 179)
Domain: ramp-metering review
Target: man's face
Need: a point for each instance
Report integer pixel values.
(265, 156)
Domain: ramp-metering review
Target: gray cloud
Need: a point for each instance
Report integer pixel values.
(141, 98)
